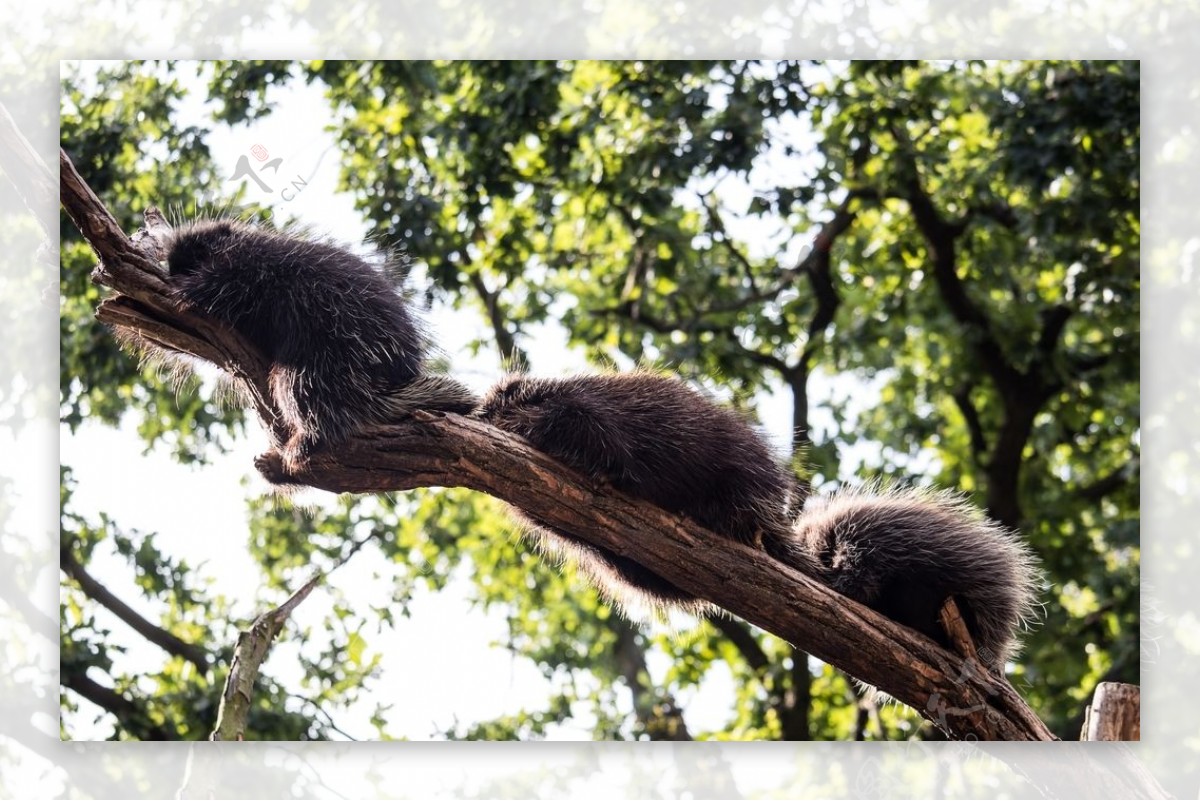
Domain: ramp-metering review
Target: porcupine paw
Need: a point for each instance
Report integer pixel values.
(271, 465)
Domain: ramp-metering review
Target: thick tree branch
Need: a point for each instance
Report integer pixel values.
(1054, 320)
(133, 271)
(453, 451)
(130, 716)
(155, 634)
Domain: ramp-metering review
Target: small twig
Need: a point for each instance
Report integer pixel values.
(308, 702)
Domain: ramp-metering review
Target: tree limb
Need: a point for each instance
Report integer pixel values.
(1114, 714)
(123, 709)
(940, 240)
(739, 634)
(717, 222)
(452, 451)
(251, 651)
(962, 398)
(1110, 483)
(510, 354)
(656, 710)
(155, 634)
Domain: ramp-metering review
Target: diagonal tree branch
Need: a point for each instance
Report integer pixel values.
(253, 646)
(962, 398)
(155, 634)
(453, 451)
(131, 716)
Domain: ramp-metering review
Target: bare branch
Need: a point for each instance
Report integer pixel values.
(252, 648)
(155, 634)
(1114, 714)
(130, 715)
(251, 651)
(979, 447)
(739, 634)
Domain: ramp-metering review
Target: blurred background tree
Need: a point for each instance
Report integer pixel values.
(935, 263)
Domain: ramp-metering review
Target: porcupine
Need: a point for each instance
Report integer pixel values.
(655, 438)
(901, 552)
(344, 348)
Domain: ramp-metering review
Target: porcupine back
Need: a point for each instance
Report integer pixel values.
(903, 551)
(344, 347)
(654, 438)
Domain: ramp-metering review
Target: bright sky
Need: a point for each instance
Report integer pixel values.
(199, 513)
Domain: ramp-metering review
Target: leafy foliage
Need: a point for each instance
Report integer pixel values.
(936, 263)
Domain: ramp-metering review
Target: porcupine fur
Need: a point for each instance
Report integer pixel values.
(900, 551)
(652, 437)
(344, 347)
(903, 551)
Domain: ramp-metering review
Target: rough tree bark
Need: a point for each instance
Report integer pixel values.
(963, 700)
(1114, 714)
(251, 651)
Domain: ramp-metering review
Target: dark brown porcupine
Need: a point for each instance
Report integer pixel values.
(902, 552)
(344, 347)
(654, 438)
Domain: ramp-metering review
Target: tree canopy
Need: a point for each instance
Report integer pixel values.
(936, 264)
